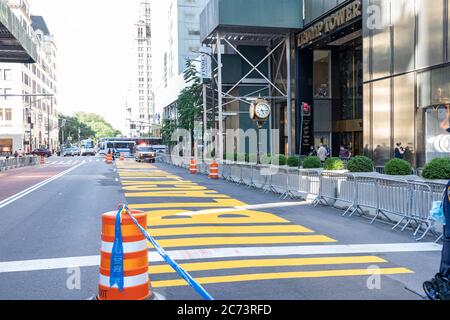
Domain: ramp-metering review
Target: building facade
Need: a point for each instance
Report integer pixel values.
(375, 73)
(177, 32)
(141, 115)
(29, 117)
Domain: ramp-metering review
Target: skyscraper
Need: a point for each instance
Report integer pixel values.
(140, 106)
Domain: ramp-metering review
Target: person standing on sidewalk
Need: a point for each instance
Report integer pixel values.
(322, 153)
(439, 287)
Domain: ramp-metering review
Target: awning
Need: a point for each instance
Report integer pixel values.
(16, 45)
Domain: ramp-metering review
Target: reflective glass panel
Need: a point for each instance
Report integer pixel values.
(430, 32)
(322, 86)
(381, 113)
(403, 21)
(381, 41)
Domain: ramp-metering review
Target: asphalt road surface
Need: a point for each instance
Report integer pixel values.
(239, 243)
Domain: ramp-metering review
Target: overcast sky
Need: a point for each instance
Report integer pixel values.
(94, 40)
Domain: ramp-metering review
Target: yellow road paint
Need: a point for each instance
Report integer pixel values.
(155, 188)
(228, 230)
(158, 183)
(169, 217)
(217, 203)
(176, 194)
(237, 264)
(214, 241)
(284, 275)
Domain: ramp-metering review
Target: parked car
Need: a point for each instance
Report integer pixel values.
(42, 152)
(145, 154)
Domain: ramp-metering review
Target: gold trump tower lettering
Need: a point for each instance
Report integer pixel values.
(330, 23)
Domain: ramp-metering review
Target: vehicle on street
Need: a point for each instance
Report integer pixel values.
(67, 152)
(42, 152)
(87, 148)
(145, 153)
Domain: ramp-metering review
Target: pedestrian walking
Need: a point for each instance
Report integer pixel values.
(16, 154)
(439, 287)
(322, 153)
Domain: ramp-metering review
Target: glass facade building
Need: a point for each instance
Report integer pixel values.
(378, 78)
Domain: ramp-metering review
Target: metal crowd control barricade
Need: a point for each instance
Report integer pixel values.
(366, 196)
(337, 188)
(225, 170)
(260, 176)
(247, 174)
(308, 184)
(395, 197)
(236, 173)
(277, 181)
(293, 183)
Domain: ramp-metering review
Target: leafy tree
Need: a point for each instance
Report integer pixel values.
(98, 124)
(189, 100)
(167, 129)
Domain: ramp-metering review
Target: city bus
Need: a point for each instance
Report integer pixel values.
(103, 144)
(87, 148)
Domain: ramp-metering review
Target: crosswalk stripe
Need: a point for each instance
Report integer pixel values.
(213, 241)
(229, 230)
(238, 264)
(283, 275)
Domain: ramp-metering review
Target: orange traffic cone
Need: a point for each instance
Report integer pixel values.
(109, 158)
(193, 166)
(214, 170)
(135, 262)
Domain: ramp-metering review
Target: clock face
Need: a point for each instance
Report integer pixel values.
(262, 110)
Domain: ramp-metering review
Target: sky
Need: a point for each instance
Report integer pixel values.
(95, 57)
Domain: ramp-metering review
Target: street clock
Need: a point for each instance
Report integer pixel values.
(260, 111)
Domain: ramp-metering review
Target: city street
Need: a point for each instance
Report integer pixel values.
(239, 243)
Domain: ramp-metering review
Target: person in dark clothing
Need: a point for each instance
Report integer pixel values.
(399, 152)
(439, 287)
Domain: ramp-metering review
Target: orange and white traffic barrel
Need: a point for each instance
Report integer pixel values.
(109, 158)
(193, 166)
(214, 170)
(136, 282)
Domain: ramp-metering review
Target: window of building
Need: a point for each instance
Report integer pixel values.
(404, 114)
(7, 91)
(403, 20)
(8, 75)
(322, 74)
(433, 87)
(1, 114)
(194, 32)
(430, 32)
(381, 42)
(8, 114)
(381, 115)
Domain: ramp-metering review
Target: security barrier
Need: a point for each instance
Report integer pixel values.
(124, 257)
(404, 203)
(19, 162)
(214, 171)
(193, 166)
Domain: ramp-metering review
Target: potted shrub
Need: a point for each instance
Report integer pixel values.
(360, 164)
(437, 169)
(312, 163)
(293, 162)
(279, 160)
(334, 164)
(398, 167)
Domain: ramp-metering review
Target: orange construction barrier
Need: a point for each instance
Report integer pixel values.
(135, 259)
(193, 166)
(42, 160)
(214, 170)
(109, 158)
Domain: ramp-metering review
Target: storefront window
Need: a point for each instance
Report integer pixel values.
(430, 33)
(322, 63)
(437, 136)
(434, 87)
(404, 114)
(381, 113)
(403, 21)
(381, 42)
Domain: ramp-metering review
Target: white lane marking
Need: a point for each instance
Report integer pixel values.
(248, 207)
(97, 160)
(25, 192)
(200, 254)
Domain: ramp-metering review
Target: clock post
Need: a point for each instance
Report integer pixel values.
(259, 112)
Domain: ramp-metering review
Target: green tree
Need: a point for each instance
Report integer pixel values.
(98, 124)
(189, 100)
(71, 127)
(168, 127)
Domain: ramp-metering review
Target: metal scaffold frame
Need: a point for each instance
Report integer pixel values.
(277, 84)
